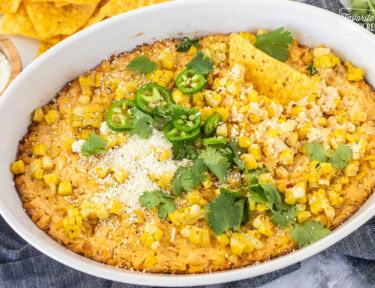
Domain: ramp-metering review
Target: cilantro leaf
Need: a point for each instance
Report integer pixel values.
(170, 111)
(275, 43)
(224, 213)
(143, 123)
(188, 178)
(216, 162)
(151, 199)
(93, 145)
(237, 150)
(264, 192)
(183, 150)
(142, 64)
(185, 46)
(201, 64)
(341, 157)
(312, 69)
(308, 233)
(284, 218)
(316, 152)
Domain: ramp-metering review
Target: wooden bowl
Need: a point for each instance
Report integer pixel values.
(10, 51)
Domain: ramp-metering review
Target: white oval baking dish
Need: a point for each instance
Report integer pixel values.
(40, 81)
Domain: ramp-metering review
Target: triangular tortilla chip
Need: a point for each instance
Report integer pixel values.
(9, 6)
(269, 76)
(18, 23)
(50, 21)
(115, 7)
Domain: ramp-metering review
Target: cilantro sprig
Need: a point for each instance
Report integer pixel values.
(183, 150)
(188, 178)
(338, 159)
(201, 63)
(284, 216)
(185, 46)
(94, 145)
(142, 64)
(275, 44)
(217, 163)
(157, 198)
(142, 123)
(308, 233)
(227, 211)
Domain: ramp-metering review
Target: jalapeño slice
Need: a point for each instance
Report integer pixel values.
(214, 141)
(211, 124)
(150, 96)
(175, 135)
(188, 120)
(190, 82)
(119, 117)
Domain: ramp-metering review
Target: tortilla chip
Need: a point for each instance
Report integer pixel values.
(43, 47)
(60, 3)
(50, 21)
(18, 23)
(9, 6)
(269, 76)
(115, 7)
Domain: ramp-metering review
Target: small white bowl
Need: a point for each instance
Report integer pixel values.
(40, 81)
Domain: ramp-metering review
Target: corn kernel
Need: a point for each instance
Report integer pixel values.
(178, 96)
(286, 157)
(249, 161)
(354, 74)
(164, 155)
(167, 61)
(72, 222)
(116, 207)
(47, 162)
(328, 61)
(206, 112)
(165, 179)
(322, 121)
(65, 188)
(192, 50)
(213, 99)
(149, 261)
(38, 115)
(248, 36)
(120, 175)
(18, 167)
(298, 109)
(281, 172)
(36, 169)
(51, 117)
(222, 130)
(303, 216)
(158, 234)
(223, 239)
(196, 198)
(352, 169)
(102, 172)
(163, 77)
(244, 142)
(39, 149)
(254, 118)
(255, 150)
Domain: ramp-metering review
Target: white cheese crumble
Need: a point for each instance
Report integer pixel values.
(140, 159)
(77, 146)
(104, 129)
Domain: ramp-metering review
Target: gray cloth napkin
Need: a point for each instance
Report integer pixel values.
(22, 266)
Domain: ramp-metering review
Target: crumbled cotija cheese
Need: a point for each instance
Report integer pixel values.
(138, 158)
